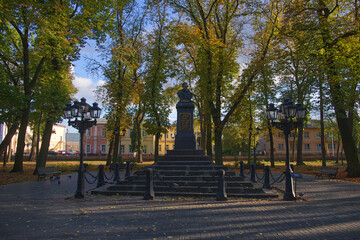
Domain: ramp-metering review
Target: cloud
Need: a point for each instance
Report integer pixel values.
(86, 88)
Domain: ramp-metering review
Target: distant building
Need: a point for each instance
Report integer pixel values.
(72, 142)
(95, 141)
(57, 141)
(311, 141)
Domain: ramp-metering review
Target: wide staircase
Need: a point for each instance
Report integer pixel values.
(187, 173)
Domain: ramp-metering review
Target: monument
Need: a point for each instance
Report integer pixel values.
(186, 171)
(185, 138)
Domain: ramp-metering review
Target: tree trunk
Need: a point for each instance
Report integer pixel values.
(218, 146)
(322, 127)
(139, 145)
(299, 159)
(38, 137)
(157, 137)
(349, 146)
(293, 146)
(4, 159)
(116, 145)
(271, 140)
(249, 148)
(41, 161)
(7, 140)
(18, 163)
(32, 155)
(337, 152)
(208, 136)
(108, 158)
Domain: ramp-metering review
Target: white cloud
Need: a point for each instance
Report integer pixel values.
(86, 88)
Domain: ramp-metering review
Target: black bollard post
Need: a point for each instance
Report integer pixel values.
(267, 177)
(221, 194)
(149, 185)
(101, 178)
(127, 170)
(242, 169)
(116, 173)
(252, 176)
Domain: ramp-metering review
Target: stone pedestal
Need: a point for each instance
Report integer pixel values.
(185, 137)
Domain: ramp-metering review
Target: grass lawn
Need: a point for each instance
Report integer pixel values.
(7, 177)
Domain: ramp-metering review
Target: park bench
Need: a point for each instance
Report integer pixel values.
(329, 172)
(42, 172)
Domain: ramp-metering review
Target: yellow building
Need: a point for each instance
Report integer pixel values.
(311, 141)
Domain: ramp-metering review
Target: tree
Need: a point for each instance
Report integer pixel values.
(158, 68)
(123, 32)
(336, 24)
(43, 29)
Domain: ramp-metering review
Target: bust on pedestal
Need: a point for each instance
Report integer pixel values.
(185, 138)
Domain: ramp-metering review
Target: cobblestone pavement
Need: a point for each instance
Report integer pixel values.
(47, 210)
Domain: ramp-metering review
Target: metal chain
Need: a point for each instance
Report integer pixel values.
(257, 176)
(92, 175)
(241, 183)
(87, 180)
(277, 180)
(112, 175)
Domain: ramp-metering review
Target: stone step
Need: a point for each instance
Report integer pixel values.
(190, 194)
(183, 162)
(188, 178)
(199, 189)
(212, 173)
(181, 152)
(179, 182)
(188, 167)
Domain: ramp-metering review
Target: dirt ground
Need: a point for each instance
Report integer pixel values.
(7, 177)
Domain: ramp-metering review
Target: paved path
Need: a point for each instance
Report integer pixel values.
(46, 210)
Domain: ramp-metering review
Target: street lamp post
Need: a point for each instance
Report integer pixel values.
(283, 119)
(83, 114)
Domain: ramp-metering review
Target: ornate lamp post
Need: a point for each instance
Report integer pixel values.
(283, 119)
(83, 114)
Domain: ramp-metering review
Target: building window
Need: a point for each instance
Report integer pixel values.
(307, 146)
(306, 135)
(330, 146)
(280, 134)
(144, 149)
(143, 133)
(173, 147)
(103, 132)
(292, 134)
(318, 146)
(88, 132)
(88, 148)
(167, 147)
(130, 149)
(281, 146)
(122, 149)
(159, 148)
(103, 148)
(318, 135)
